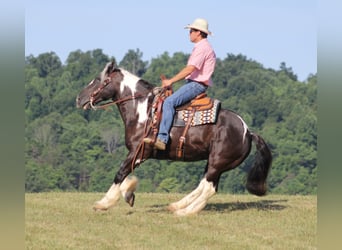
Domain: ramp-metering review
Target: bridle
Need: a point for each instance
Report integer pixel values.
(104, 106)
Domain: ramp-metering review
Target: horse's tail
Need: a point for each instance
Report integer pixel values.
(256, 178)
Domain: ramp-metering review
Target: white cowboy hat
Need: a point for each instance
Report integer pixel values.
(199, 24)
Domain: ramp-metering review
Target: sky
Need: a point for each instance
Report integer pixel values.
(267, 31)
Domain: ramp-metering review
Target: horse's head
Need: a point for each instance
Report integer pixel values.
(104, 87)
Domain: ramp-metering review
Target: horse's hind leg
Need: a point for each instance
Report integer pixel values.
(196, 205)
(187, 199)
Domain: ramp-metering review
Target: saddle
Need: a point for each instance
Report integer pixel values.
(202, 104)
(199, 103)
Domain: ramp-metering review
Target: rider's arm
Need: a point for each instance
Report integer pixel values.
(187, 70)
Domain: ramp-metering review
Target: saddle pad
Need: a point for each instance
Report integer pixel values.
(200, 117)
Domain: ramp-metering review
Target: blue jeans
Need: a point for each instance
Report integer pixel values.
(183, 95)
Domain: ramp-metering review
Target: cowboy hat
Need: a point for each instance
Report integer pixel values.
(199, 24)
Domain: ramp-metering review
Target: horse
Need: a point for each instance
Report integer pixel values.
(225, 144)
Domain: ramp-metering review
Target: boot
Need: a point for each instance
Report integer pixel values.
(158, 144)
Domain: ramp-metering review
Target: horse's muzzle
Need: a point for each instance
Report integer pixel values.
(80, 104)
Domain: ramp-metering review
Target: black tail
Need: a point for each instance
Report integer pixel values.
(256, 178)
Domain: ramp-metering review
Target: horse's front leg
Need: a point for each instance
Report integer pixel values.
(110, 199)
(121, 185)
(127, 188)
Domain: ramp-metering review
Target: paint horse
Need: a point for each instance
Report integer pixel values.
(224, 144)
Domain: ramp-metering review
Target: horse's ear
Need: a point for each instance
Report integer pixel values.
(111, 67)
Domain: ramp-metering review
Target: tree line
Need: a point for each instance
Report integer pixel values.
(75, 150)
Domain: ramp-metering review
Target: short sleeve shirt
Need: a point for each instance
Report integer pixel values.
(204, 59)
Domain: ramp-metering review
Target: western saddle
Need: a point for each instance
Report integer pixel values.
(199, 103)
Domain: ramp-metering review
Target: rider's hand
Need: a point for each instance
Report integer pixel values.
(166, 83)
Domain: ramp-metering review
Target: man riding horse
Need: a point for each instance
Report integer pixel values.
(224, 143)
(197, 73)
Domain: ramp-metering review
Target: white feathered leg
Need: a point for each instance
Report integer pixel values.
(127, 188)
(184, 202)
(110, 199)
(199, 203)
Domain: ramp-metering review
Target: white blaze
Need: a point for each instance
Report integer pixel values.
(92, 81)
(103, 73)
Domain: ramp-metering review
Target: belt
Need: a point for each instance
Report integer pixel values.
(202, 83)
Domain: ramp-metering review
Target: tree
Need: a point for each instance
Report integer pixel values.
(46, 63)
(168, 185)
(288, 71)
(165, 65)
(133, 62)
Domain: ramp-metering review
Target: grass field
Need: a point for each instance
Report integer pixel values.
(67, 221)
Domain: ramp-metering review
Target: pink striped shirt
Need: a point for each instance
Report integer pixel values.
(204, 59)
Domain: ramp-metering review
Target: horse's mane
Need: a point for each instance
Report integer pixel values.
(141, 82)
(146, 84)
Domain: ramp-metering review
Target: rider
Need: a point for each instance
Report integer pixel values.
(197, 73)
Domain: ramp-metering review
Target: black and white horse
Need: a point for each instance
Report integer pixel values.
(224, 144)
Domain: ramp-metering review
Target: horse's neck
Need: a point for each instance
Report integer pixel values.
(134, 112)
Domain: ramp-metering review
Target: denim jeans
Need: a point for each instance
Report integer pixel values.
(183, 95)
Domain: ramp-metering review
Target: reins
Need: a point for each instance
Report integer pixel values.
(125, 99)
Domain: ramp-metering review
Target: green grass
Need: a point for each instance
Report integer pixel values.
(67, 221)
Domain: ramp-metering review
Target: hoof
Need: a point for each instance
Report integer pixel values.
(130, 198)
(172, 208)
(183, 213)
(99, 207)
(180, 213)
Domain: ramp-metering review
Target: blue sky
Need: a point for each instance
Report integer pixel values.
(267, 31)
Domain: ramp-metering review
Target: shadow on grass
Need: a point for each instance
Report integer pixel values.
(158, 208)
(265, 205)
